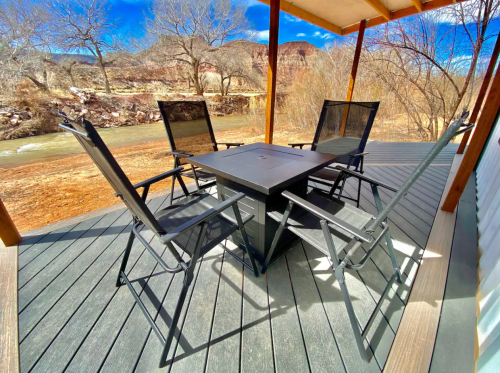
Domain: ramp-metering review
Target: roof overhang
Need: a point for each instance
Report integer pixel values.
(343, 17)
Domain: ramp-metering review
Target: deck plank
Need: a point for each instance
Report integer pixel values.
(288, 345)
(319, 340)
(226, 330)
(73, 317)
(93, 310)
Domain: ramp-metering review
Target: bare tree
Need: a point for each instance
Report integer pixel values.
(190, 30)
(233, 63)
(85, 25)
(66, 64)
(431, 71)
(23, 43)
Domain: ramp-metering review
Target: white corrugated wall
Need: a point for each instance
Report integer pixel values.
(488, 203)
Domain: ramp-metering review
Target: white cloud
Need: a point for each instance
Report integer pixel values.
(326, 35)
(262, 35)
(301, 34)
(292, 19)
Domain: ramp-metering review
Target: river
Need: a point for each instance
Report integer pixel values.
(61, 144)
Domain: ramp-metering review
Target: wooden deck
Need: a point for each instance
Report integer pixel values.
(73, 318)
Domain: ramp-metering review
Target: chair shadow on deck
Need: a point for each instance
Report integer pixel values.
(273, 309)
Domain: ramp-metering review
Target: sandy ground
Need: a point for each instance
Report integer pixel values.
(44, 193)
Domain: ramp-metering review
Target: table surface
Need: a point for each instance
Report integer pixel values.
(263, 167)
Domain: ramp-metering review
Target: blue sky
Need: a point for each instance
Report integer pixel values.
(132, 14)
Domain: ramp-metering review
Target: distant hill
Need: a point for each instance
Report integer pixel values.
(81, 58)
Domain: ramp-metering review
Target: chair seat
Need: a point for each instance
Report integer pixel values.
(185, 209)
(327, 174)
(307, 226)
(202, 175)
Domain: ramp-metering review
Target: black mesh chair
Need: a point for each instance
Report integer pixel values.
(194, 225)
(338, 229)
(343, 129)
(190, 133)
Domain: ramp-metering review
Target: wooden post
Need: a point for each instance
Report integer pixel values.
(354, 72)
(272, 69)
(483, 129)
(482, 93)
(8, 231)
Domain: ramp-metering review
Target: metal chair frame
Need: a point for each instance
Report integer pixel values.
(366, 235)
(355, 160)
(90, 140)
(178, 155)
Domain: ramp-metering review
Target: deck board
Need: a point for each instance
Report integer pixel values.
(72, 317)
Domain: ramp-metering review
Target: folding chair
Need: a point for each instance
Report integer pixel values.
(332, 227)
(190, 133)
(343, 129)
(194, 225)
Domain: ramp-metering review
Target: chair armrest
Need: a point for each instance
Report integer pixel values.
(359, 155)
(179, 154)
(322, 214)
(157, 178)
(229, 144)
(366, 178)
(299, 144)
(201, 218)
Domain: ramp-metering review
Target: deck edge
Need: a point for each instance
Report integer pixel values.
(413, 345)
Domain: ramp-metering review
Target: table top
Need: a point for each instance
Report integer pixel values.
(263, 167)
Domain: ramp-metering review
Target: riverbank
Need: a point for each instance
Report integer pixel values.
(39, 194)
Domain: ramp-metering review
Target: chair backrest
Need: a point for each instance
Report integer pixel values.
(188, 126)
(452, 131)
(343, 129)
(90, 140)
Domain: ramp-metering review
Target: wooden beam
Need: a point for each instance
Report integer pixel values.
(380, 8)
(272, 69)
(413, 346)
(354, 72)
(482, 94)
(8, 231)
(483, 128)
(306, 16)
(418, 4)
(9, 344)
(401, 13)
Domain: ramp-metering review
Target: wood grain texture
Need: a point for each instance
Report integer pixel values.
(481, 134)
(417, 4)
(354, 72)
(272, 68)
(482, 93)
(295, 11)
(9, 352)
(8, 231)
(414, 343)
(380, 8)
(401, 13)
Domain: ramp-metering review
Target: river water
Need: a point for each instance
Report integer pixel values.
(62, 144)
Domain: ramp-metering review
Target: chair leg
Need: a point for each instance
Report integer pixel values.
(359, 193)
(195, 178)
(277, 236)
(241, 227)
(171, 197)
(339, 274)
(388, 238)
(392, 254)
(336, 185)
(126, 255)
(175, 319)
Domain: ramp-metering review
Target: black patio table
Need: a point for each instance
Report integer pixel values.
(262, 172)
